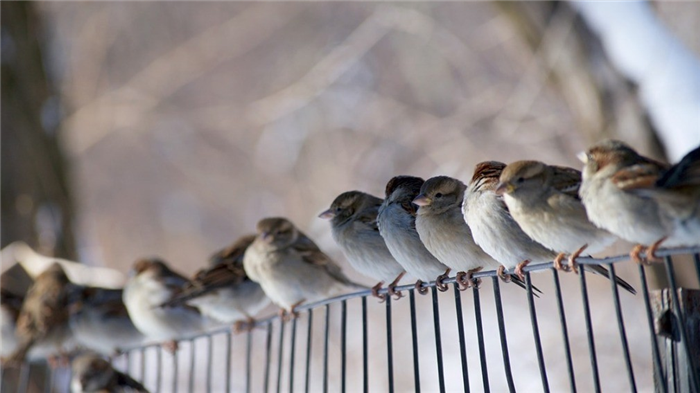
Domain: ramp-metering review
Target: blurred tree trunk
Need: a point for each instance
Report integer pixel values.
(36, 200)
(604, 103)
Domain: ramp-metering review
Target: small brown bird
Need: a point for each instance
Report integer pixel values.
(291, 268)
(353, 217)
(223, 291)
(44, 314)
(92, 374)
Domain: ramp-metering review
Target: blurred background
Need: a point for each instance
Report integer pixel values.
(170, 129)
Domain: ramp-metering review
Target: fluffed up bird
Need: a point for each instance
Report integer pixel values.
(290, 267)
(100, 321)
(152, 283)
(397, 225)
(223, 291)
(543, 199)
(92, 374)
(43, 319)
(492, 225)
(353, 218)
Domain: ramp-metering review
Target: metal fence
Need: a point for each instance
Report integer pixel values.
(438, 342)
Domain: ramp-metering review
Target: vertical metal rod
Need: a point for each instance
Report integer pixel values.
(480, 339)
(589, 330)
(143, 363)
(438, 340)
(621, 327)
(175, 371)
(536, 333)
(280, 356)
(343, 343)
(414, 339)
(325, 347)
(48, 380)
(696, 259)
(307, 379)
(248, 359)
(389, 345)
(291, 355)
(564, 331)
(268, 348)
(127, 357)
(652, 332)
(190, 384)
(460, 332)
(695, 378)
(24, 372)
(227, 374)
(210, 364)
(502, 334)
(365, 371)
(159, 364)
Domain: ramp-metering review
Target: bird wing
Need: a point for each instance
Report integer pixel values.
(310, 253)
(685, 173)
(566, 180)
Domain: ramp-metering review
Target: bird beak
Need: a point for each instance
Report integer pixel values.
(265, 235)
(422, 200)
(503, 188)
(583, 157)
(327, 215)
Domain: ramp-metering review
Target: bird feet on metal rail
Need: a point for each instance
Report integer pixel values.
(439, 284)
(391, 288)
(287, 316)
(501, 272)
(170, 346)
(466, 280)
(244, 325)
(519, 269)
(649, 253)
(375, 292)
(572, 266)
(420, 288)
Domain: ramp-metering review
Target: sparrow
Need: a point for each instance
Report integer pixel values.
(43, 318)
(100, 321)
(397, 225)
(152, 283)
(613, 176)
(92, 374)
(223, 291)
(353, 218)
(291, 268)
(543, 199)
(492, 225)
(10, 306)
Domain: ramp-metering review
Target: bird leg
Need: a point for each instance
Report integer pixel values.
(293, 314)
(170, 346)
(442, 287)
(519, 269)
(557, 262)
(244, 325)
(420, 288)
(634, 254)
(475, 282)
(462, 284)
(391, 288)
(375, 292)
(502, 274)
(651, 251)
(572, 258)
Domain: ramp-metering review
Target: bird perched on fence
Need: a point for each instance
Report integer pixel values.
(43, 318)
(223, 291)
(100, 321)
(290, 267)
(397, 225)
(353, 218)
(91, 373)
(152, 283)
(613, 174)
(543, 199)
(492, 225)
(10, 306)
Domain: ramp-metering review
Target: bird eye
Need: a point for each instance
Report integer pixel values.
(519, 180)
(438, 195)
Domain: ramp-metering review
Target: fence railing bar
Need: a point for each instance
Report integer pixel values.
(696, 260)
(268, 350)
(48, 379)
(365, 347)
(460, 333)
(326, 329)
(24, 371)
(621, 327)
(589, 330)
(695, 378)
(502, 334)
(175, 368)
(309, 330)
(536, 333)
(248, 360)
(143, 364)
(292, 353)
(210, 364)
(228, 362)
(414, 340)
(190, 382)
(656, 355)
(280, 356)
(343, 342)
(389, 346)
(438, 340)
(564, 331)
(480, 338)
(127, 360)
(159, 368)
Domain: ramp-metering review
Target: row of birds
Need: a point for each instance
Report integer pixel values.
(506, 217)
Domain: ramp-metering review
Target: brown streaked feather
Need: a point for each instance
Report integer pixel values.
(311, 254)
(488, 170)
(234, 252)
(638, 176)
(566, 180)
(685, 173)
